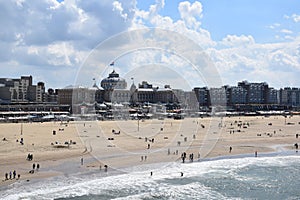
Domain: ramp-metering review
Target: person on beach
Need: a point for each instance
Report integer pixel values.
(81, 160)
(10, 174)
(142, 158)
(255, 153)
(191, 157)
(151, 173)
(6, 176)
(105, 168)
(33, 166)
(14, 174)
(18, 176)
(230, 149)
(183, 156)
(181, 173)
(38, 166)
(29, 157)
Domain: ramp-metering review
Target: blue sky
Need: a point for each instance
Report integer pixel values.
(52, 40)
(248, 17)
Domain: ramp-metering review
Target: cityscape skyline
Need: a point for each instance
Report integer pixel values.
(115, 89)
(131, 80)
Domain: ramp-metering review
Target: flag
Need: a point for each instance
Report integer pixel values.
(112, 64)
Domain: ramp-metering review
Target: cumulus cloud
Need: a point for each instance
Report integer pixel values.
(48, 34)
(189, 24)
(236, 57)
(296, 17)
(190, 13)
(257, 61)
(118, 7)
(234, 40)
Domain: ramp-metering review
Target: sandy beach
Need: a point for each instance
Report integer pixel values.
(62, 148)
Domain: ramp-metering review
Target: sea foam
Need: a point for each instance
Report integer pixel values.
(231, 178)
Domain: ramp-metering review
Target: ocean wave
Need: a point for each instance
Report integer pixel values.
(232, 178)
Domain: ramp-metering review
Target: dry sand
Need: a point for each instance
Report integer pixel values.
(209, 137)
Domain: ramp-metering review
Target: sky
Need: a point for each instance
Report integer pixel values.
(184, 44)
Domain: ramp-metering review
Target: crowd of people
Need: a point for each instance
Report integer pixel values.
(12, 175)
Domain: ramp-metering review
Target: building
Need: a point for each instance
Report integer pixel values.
(289, 96)
(273, 96)
(202, 95)
(165, 95)
(257, 93)
(113, 81)
(81, 99)
(50, 96)
(35, 93)
(217, 96)
(21, 90)
(144, 93)
(191, 103)
(180, 96)
(238, 95)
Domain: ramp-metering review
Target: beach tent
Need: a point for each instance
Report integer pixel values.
(48, 117)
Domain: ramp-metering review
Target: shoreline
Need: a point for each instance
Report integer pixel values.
(127, 149)
(142, 168)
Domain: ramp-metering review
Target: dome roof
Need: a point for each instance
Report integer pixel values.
(113, 81)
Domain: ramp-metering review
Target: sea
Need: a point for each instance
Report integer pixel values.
(268, 176)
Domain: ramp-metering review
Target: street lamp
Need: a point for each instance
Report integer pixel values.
(138, 123)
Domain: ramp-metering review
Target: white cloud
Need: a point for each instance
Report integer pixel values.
(234, 40)
(236, 57)
(190, 13)
(189, 24)
(46, 34)
(258, 62)
(286, 31)
(273, 26)
(296, 18)
(118, 7)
